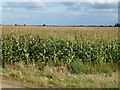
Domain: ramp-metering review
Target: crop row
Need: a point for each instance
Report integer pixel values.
(36, 50)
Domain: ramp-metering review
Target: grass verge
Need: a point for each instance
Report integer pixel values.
(57, 77)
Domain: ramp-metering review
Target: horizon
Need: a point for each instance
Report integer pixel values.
(101, 25)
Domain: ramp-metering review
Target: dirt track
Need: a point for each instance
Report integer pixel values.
(7, 83)
(8, 86)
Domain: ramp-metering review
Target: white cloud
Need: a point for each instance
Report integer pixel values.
(102, 4)
(79, 6)
(109, 10)
(77, 13)
(61, 1)
(28, 5)
(7, 9)
(23, 16)
(0, 8)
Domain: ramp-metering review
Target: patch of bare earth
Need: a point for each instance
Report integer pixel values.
(10, 83)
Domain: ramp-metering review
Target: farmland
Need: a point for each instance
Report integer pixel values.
(81, 50)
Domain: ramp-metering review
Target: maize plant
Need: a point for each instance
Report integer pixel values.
(34, 49)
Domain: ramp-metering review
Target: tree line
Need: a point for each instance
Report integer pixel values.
(116, 25)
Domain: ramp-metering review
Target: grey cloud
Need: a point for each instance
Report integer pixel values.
(104, 5)
(28, 5)
(68, 5)
(90, 6)
(72, 5)
(7, 9)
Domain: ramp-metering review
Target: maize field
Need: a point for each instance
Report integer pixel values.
(59, 45)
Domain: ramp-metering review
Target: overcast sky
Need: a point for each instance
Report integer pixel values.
(59, 13)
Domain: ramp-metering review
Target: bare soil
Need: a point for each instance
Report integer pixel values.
(9, 83)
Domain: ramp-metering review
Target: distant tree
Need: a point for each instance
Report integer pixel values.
(110, 25)
(15, 24)
(24, 25)
(117, 25)
(43, 25)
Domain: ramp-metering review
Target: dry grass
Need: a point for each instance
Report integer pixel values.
(65, 32)
(58, 77)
